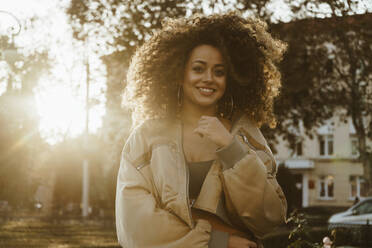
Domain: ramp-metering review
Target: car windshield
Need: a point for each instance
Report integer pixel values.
(364, 207)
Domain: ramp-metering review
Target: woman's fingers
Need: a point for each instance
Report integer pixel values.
(240, 242)
(200, 130)
(208, 119)
(208, 124)
(213, 129)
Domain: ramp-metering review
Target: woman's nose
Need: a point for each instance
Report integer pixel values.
(207, 77)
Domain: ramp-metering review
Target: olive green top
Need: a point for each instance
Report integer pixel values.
(198, 171)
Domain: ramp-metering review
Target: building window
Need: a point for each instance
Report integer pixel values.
(326, 145)
(358, 187)
(326, 187)
(354, 146)
(297, 149)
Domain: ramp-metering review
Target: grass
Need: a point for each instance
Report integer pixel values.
(40, 232)
(68, 233)
(30, 230)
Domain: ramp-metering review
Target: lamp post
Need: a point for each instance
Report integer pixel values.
(85, 184)
(8, 51)
(13, 30)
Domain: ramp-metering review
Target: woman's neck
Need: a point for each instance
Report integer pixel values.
(190, 115)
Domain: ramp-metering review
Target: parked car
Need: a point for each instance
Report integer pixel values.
(358, 214)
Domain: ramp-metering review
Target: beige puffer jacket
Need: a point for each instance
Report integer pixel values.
(152, 205)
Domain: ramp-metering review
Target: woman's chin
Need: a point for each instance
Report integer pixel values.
(206, 104)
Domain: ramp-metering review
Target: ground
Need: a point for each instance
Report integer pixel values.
(37, 231)
(69, 233)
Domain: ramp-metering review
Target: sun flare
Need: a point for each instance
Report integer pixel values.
(61, 113)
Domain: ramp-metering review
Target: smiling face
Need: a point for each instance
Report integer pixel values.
(204, 80)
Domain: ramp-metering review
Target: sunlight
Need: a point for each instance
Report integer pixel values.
(61, 113)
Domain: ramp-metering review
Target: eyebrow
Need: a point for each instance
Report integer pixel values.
(203, 62)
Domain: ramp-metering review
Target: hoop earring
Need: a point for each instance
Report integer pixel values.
(227, 107)
(231, 107)
(179, 96)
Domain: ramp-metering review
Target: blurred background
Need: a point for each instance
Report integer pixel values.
(63, 122)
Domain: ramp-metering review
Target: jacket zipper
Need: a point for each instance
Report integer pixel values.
(187, 180)
(187, 194)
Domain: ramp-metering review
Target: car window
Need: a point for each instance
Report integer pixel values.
(364, 208)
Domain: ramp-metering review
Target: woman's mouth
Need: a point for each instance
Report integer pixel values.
(206, 91)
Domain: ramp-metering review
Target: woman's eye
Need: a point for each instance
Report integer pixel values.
(219, 72)
(197, 69)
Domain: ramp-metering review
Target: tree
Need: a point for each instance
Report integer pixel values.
(20, 139)
(336, 62)
(122, 26)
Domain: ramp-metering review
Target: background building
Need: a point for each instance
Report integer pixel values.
(326, 167)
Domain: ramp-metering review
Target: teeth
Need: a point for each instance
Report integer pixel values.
(206, 90)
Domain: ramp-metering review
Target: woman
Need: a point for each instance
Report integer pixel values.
(197, 172)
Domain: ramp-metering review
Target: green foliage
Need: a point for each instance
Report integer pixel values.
(120, 25)
(300, 235)
(125, 25)
(331, 58)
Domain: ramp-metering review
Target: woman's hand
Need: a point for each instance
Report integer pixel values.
(236, 237)
(212, 128)
(239, 242)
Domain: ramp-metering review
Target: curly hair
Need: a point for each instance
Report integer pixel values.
(249, 51)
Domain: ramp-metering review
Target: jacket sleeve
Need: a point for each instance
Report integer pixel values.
(253, 196)
(140, 222)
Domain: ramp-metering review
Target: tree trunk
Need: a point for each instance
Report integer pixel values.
(366, 159)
